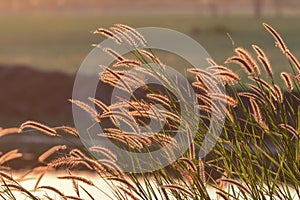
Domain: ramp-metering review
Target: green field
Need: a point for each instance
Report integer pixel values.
(61, 42)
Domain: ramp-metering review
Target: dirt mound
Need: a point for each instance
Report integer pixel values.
(30, 94)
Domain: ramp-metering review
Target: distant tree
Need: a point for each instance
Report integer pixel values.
(211, 5)
(34, 2)
(60, 3)
(257, 8)
(278, 7)
(15, 5)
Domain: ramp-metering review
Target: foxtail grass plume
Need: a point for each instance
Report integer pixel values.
(85, 107)
(286, 77)
(8, 131)
(294, 60)
(124, 35)
(114, 54)
(50, 152)
(150, 56)
(108, 34)
(241, 62)
(11, 155)
(77, 178)
(178, 189)
(279, 41)
(245, 55)
(135, 33)
(263, 60)
(290, 129)
(128, 63)
(38, 126)
(256, 111)
(68, 129)
(236, 183)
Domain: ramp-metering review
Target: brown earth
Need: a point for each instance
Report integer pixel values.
(29, 94)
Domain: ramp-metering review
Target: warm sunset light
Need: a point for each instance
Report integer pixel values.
(156, 99)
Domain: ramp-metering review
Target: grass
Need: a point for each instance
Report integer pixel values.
(256, 156)
(59, 42)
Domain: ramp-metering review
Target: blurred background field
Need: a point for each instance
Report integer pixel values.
(61, 42)
(43, 42)
(56, 35)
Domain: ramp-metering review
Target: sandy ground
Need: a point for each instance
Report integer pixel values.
(66, 187)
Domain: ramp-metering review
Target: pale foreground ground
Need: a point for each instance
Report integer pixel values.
(66, 186)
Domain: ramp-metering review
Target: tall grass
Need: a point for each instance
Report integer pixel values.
(257, 155)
